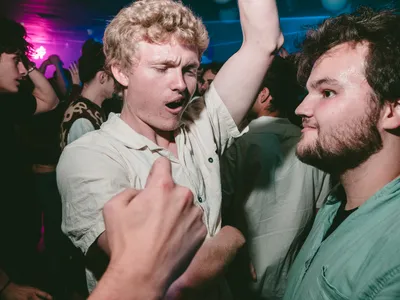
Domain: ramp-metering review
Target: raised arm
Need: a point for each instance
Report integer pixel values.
(238, 81)
(46, 98)
(62, 81)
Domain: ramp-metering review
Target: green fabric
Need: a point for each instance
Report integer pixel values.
(359, 260)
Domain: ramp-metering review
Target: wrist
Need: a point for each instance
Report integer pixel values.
(31, 69)
(130, 278)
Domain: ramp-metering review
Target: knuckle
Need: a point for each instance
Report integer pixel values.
(184, 195)
(199, 213)
(203, 231)
(166, 182)
(109, 207)
(187, 194)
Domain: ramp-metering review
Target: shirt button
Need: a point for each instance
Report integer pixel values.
(200, 199)
(210, 160)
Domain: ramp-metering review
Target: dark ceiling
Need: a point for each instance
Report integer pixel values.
(73, 21)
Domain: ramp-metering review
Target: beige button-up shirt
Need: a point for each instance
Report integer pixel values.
(102, 163)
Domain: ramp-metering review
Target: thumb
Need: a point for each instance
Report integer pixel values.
(160, 174)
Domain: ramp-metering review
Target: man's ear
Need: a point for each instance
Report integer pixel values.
(391, 115)
(120, 76)
(101, 76)
(263, 95)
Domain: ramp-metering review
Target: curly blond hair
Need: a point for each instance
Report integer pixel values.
(154, 21)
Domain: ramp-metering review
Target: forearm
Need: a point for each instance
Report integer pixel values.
(43, 92)
(62, 81)
(247, 67)
(257, 18)
(125, 283)
(43, 67)
(211, 261)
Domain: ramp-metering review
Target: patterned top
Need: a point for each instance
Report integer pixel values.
(81, 108)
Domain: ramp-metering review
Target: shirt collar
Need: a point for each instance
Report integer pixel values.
(118, 129)
(387, 193)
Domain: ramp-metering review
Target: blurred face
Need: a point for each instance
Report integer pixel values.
(205, 82)
(340, 115)
(260, 106)
(11, 72)
(160, 85)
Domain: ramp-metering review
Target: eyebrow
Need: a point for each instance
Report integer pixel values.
(327, 80)
(174, 62)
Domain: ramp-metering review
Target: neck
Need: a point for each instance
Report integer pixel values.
(93, 93)
(267, 113)
(363, 182)
(161, 138)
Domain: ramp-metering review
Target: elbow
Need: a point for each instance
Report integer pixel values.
(263, 47)
(54, 103)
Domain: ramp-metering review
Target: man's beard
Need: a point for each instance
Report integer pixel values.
(345, 147)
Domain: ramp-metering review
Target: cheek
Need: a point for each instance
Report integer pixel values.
(191, 83)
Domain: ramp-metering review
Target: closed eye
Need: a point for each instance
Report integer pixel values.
(161, 70)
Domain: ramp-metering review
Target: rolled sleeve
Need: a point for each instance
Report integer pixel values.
(224, 127)
(87, 178)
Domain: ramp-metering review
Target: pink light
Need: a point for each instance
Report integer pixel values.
(39, 53)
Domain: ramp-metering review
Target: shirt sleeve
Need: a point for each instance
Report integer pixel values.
(88, 175)
(79, 128)
(224, 127)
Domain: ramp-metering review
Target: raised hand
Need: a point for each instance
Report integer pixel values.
(73, 69)
(54, 59)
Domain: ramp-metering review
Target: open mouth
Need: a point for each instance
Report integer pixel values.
(175, 104)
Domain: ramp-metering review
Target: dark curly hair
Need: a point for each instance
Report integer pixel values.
(13, 38)
(379, 29)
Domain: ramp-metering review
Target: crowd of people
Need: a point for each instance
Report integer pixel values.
(138, 173)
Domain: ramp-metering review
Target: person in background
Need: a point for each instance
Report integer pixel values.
(351, 129)
(206, 77)
(268, 193)
(18, 260)
(61, 80)
(85, 114)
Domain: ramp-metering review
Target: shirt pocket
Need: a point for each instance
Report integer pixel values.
(326, 289)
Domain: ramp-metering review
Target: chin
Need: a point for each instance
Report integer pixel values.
(304, 148)
(168, 126)
(12, 89)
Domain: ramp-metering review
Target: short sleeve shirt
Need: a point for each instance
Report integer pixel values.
(103, 163)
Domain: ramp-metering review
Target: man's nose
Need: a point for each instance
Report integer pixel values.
(22, 70)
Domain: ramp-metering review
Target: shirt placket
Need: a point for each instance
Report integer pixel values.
(185, 152)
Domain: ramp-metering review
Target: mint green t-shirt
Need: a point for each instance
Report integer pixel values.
(359, 260)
